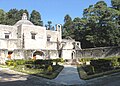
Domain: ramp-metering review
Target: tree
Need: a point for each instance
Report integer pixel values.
(2, 16)
(35, 18)
(49, 25)
(11, 17)
(116, 4)
(67, 27)
(20, 13)
(99, 26)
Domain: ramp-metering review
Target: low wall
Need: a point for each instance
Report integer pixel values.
(98, 52)
(26, 54)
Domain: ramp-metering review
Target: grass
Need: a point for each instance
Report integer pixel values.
(83, 75)
(39, 72)
(5, 66)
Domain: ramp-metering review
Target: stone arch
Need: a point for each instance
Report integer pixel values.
(10, 55)
(38, 54)
(73, 55)
(58, 27)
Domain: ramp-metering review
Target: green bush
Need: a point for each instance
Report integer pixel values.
(101, 65)
(89, 69)
(10, 62)
(49, 69)
(20, 62)
(84, 60)
(115, 62)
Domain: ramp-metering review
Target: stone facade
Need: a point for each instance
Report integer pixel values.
(100, 52)
(24, 38)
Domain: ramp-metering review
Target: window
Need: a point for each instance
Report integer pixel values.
(78, 44)
(7, 35)
(33, 35)
(48, 38)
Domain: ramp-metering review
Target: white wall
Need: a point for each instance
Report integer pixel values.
(40, 38)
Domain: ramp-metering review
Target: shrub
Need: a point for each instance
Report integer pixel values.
(101, 65)
(10, 62)
(20, 62)
(49, 69)
(115, 62)
(84, 60)
(89, 69)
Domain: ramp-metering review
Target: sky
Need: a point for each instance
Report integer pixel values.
(51, 10)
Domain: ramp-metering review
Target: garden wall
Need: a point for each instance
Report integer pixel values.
(98, 52)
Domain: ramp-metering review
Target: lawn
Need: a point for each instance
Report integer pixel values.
(41, 68)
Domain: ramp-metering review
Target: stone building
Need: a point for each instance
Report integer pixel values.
(25, 40)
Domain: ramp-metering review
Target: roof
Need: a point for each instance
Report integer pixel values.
(27, 22)
(24, 20)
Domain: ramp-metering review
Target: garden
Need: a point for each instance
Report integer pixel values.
(96, 67)
(48, 68)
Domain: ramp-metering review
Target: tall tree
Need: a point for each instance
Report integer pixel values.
(101, 26)
(35, 18)
(67, 27)
(49, 25)
(116, 4)
(2, 16)
(11, 17)
(20, 13)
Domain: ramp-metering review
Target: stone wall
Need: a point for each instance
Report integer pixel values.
(98, 52)
(3, 55)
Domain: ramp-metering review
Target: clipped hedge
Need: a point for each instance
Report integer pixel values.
(101, 65)
(15, 62)
(83, 75)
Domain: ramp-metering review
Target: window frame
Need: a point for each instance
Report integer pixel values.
(7, 35)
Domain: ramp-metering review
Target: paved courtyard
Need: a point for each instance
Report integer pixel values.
(67, 77)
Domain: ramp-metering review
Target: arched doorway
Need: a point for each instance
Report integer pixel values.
(38, 55)
(73, 55)
(9, 57)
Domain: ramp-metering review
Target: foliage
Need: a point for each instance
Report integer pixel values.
(49, 69)
(89, 69)
(44, 69)
(83, 74)
(99, 67)
(35, 18)
(15, 62)
(98, 27)
(14, 15)
(84, 60)
(2, 16)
